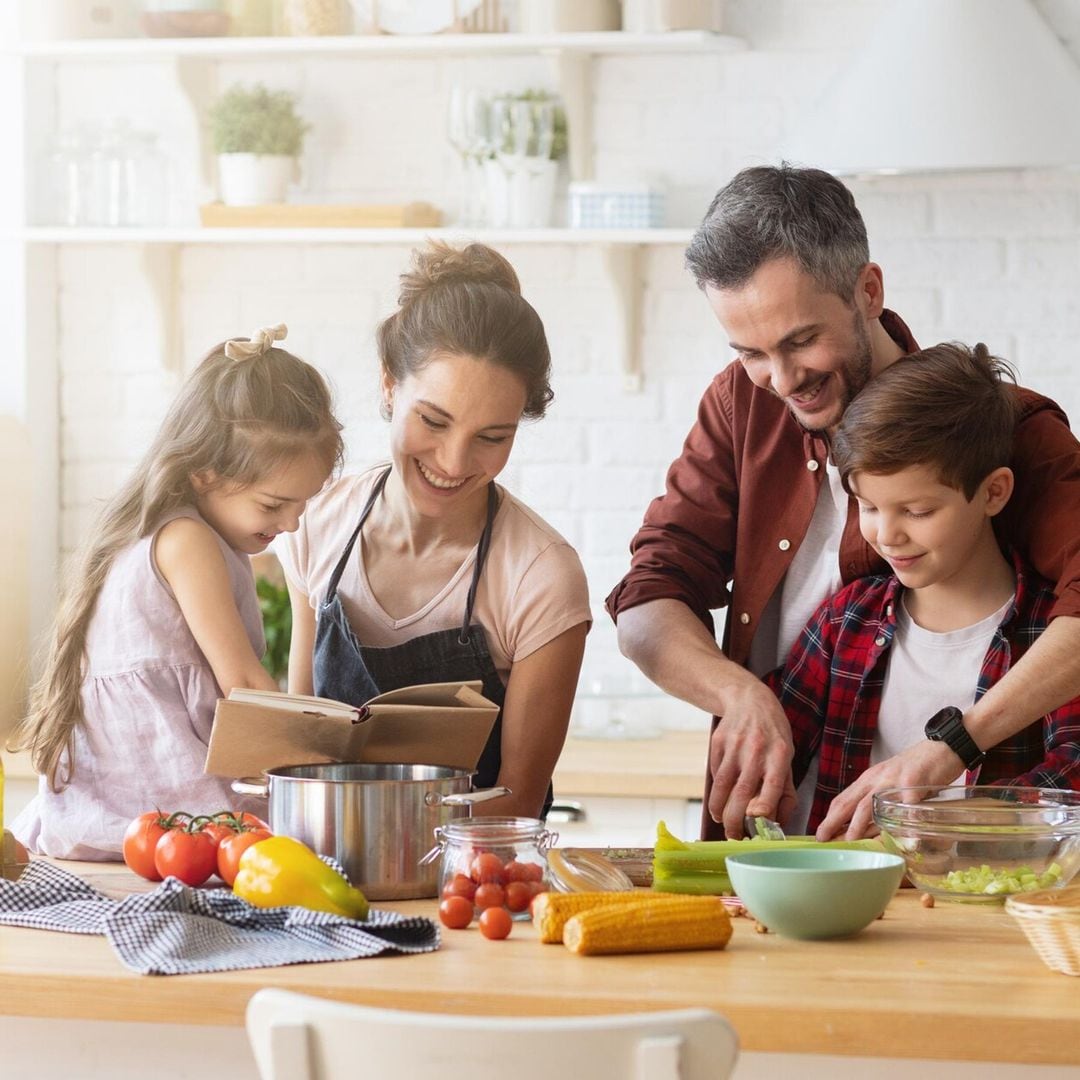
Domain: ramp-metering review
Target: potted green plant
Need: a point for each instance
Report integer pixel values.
(258, 137)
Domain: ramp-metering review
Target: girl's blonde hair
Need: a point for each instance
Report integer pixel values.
(236, 418)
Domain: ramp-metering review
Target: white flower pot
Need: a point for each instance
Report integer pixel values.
(521, 195)
(254, 179)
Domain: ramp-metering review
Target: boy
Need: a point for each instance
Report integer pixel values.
(924, 449)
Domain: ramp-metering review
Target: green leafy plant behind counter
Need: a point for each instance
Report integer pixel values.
(277, 625)
(255, 120)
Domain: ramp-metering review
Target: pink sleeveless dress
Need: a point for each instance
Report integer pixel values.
(148, 705)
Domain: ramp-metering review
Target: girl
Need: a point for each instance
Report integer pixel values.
(424, 569)
(161, 617)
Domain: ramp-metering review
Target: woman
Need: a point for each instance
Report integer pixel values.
(425, 570)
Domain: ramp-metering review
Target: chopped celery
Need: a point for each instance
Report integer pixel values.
(699, 866)
(984, 881)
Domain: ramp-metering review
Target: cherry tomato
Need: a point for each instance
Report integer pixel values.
(519, 895)
(495, 923)
(460, 885)
(489, 895)
(140, 842)
(232, 847)
(189, 856)
(517, 872)
(486, 868)
(455, 912)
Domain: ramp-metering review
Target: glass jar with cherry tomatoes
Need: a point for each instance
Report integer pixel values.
(494, 862)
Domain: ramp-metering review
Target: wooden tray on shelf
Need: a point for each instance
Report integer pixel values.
(325, 216)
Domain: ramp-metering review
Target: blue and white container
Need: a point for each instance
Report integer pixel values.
(596, 205)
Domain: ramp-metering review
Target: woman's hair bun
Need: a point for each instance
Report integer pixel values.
(438, 263)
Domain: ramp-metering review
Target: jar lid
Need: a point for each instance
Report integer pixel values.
(580, 870)
(495, 830)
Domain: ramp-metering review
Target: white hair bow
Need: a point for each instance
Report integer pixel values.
(261, 340)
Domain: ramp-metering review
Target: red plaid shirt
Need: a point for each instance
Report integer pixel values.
(832, 682)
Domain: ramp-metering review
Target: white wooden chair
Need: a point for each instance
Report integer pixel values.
(298, 1037)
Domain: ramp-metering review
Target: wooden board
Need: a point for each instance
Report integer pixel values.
(952, 982)
(328, 216)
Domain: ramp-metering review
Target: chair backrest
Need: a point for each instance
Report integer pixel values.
(297, 1037)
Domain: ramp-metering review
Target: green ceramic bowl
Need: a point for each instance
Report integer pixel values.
(810, 893)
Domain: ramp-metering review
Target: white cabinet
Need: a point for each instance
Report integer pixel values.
(607, 821)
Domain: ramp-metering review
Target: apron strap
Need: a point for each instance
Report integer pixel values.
(376, 491)
(481, 556)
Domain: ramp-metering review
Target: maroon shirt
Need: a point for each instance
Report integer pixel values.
(739, 500)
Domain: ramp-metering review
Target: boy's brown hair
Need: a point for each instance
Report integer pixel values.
(947, 407)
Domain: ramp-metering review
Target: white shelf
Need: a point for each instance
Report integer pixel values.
(231, 48)
(494, 237)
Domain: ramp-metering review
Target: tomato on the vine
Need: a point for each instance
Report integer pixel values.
(232, 847)
(190, 856)
(141, 840)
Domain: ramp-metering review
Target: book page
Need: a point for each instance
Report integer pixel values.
(275, 699)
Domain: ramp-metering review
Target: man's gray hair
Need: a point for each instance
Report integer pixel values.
(776, 212)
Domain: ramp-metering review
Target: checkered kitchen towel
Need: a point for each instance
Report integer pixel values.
(177, 930)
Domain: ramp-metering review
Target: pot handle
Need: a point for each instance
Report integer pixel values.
(250, 785)
(466, 798)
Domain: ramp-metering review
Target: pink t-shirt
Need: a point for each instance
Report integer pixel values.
(532, 587)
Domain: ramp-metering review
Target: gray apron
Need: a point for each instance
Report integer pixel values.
(347, 670)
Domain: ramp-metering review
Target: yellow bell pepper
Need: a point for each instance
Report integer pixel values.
(281, 872)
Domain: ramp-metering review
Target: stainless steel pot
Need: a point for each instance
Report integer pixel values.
(378, 821)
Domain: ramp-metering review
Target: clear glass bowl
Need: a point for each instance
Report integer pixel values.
(982, 843)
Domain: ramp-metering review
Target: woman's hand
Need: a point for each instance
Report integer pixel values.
(535, 716)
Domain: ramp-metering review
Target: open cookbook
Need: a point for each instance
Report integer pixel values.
(430, 724)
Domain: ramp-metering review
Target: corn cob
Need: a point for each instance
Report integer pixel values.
(551, 909)
(690, 922)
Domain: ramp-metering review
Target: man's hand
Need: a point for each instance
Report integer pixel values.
(925, 763)
(750, 759)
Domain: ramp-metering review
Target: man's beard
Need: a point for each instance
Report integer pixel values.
(856, 374)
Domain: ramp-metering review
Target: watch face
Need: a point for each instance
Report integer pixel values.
(940, 722)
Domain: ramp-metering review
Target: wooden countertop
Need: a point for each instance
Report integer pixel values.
(671, 766)
(951, 982)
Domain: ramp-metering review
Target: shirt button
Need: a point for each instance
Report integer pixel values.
(879, 641)
(744, 618)
(888, 609)
(784, 545)
(812, 465)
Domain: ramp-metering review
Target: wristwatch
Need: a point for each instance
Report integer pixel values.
(947, 726)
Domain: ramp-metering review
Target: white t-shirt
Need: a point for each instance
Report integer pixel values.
(926, 672)
(813, 575)
(532, 587)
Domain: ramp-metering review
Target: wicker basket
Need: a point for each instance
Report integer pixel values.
(1051, 921)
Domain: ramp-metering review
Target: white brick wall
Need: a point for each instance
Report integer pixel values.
(991, 258)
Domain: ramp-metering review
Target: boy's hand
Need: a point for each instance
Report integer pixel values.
(925, 763)
(750, 759)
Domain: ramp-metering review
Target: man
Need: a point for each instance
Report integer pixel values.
(754, 516)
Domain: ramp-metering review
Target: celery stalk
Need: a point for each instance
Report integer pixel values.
(699, 866)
